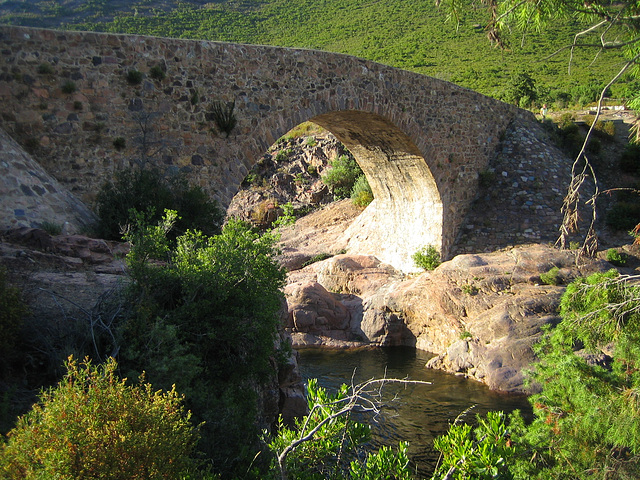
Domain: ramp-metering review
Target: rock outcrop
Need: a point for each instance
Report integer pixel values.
(480, 314)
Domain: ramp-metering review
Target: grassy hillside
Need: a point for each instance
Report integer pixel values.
(403, 33)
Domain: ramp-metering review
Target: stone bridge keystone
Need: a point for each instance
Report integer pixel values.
(66, 96)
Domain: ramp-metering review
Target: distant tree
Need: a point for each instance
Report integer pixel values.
(522, 90)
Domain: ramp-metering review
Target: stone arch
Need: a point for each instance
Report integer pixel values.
(407, 212)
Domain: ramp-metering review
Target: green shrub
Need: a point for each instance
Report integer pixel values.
(480, 453)
(427, 258)
(283, 155)
(205, 318)
(51, 228)
(69, 87)
(630, 158)
(551, 277)
(45, 69)
(92, 425)
(134, 77)
(77, 105)
(157, 72)
(361, 194)
(623, 215)
(223, 115)
(617, 258)
(342, 175)
(146, 190)
(119, 143)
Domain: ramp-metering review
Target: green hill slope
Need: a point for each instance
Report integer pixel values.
(402, 33)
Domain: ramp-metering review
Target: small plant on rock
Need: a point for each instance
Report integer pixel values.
(134, 77)
(223, 116)
(157, 73)
(69, 87)
(427, 258)
(45, 69)
(619, 259)
(119, 143)
(551, 277)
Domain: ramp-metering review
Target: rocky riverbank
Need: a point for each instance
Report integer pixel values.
(479, 313)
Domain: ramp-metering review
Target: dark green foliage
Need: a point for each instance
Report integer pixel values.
(342, 176)
(205, 319)
(630, 159)
(134, 77)
(51, 228)
(45, 69)
(223, 116)
(12, 313)
(361, 194)
(624, 215)
(157, 73)
(119, 143)
(69, 87)
(146, 190)
(522, 90)
(94, 426)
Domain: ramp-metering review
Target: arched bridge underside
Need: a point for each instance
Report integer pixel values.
(420, 141)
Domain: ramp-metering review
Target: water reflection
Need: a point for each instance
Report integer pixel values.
(421, 412)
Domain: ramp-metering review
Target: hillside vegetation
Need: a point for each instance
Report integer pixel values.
(406, 34)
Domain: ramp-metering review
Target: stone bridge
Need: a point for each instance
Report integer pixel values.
(67, 96)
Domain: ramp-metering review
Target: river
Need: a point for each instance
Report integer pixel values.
(419, 413)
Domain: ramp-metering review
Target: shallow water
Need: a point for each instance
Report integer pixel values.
(417, 413)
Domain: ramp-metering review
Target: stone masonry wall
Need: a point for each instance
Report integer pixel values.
(66, 98)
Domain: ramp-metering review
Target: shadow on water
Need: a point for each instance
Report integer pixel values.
(416, 413)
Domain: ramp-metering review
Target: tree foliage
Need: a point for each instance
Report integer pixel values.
(147, 191)
(586, 416)
(205, 318)
(328, 442)
(95, 426)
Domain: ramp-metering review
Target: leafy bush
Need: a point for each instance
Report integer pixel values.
(332, 443)
(342, 176)
(205, 318)
(483, 453)
(92, 425)
(427, 258)
(146, 190)
(361, 194)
